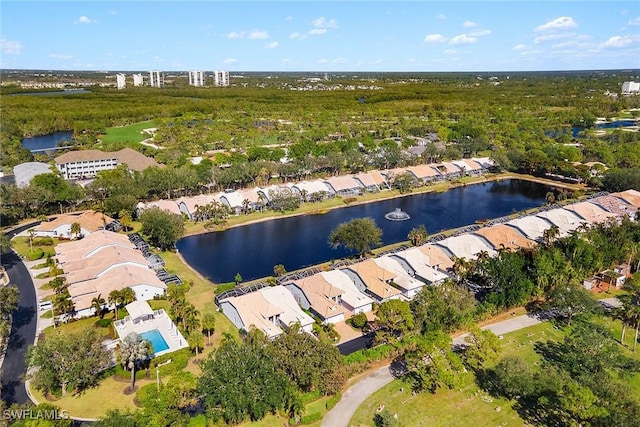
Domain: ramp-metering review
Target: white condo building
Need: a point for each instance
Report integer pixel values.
(630, 88)
(196, 78)
(155, 79)
(121, 81)
(138, 80)
(221, 78)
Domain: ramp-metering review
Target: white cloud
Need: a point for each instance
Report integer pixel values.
(10, 47)
(519, 46)
(323, 61)
(271, 45)
(297, 36)
(85, 20)
(552, 36)
(463, 39)
(60, 56)
(230, 61)
(236, 35)
(287, 61)
(617, 42)
(324, 23)
(469, 24)
(635, 21)
(441, 17)
(480, 33)
(434, 38)
(377, 62)
(317, 31)
(258, 35)
(560, 23)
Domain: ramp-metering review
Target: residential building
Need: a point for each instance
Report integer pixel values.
(406, 283)
(156, 79)
(351, 298)
(196, 78)
(502, 236)
(60, 227)
(630, 88)
(316, 294)
(138, 80)
(533, 227)
(564, 219)
(418, 264)
(373, 280)
(268, 309)
(84, 164)
(221, 78)
(466, 246)
(121, 81)
(591, 212)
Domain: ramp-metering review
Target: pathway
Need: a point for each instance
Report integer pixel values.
(355, 396)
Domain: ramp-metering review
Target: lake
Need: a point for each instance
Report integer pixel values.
(48, 141)
(252, 250)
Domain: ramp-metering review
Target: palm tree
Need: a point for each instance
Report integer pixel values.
(128, 295)
(418, 236)
(62, 304)
(115, 297)
(96, 304)
(460, 267)
(208, 325)
(549, 235)
(133, 351)
(75, 229)
(190, 320)
(195, 341)
(125, 219)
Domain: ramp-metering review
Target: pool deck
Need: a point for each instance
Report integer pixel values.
(160, 321)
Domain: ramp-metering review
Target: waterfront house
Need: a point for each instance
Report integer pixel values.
(591, 212)
(89, 221)
(351, 298)
(566, 220)
(345, 185)
(418, 264)
(316, 294)
(437, 257)
(424, 173)
(466, 246)
(373, 280)
(409, 285)
(504, 237)
(533, 227)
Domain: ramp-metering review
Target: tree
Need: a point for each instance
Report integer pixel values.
(432, 364)
(571, 301)
(385, 419)
(163, 228)
(195, 340)
(482, 346)
(190, 320)
(115, 298)
(5, 243)
(446, 307)
(418, 236)
(360, 234)
(70, 361)
(133, 352)
(9, 299)
(75, 230)
(310, 363)
(127, 296)
(279, 270)
(97, 304)
(208, 325)
(237, 278)
(239, 381)
(394, 319)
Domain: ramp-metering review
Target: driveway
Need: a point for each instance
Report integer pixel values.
(23, 328)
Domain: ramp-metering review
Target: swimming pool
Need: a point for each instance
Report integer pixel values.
(156, 339)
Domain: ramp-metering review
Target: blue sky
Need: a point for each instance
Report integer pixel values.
(320, 36)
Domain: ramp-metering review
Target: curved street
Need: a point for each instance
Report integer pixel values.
(355, 396)
(23, 328)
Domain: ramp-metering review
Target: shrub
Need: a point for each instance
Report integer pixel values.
(103, 323)
(349, 200)
(37, 253)
(199, 421)
(43, 241)
(311, 418)
(333, 401)
(178, 359)
(310, 396)
(369, 354)
(359, 320)
(124, 374)
(224, 287)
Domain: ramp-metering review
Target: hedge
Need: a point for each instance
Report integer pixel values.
(311, 418)
(369, 354)
(333, 401)
(178, 359)
(224, 287)
(35, 254)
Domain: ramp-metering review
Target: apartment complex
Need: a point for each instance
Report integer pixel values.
(630, 88)
(87, 163)
(121, 81)
(156, 79)
(196, 78)
(221, 78)
(138, 80)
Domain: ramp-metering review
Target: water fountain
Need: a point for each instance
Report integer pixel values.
(397, 215)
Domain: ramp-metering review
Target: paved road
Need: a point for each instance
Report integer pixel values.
(351, 400)
(23, 330)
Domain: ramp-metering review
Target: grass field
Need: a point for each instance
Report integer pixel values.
(131, 133)
(469, 405)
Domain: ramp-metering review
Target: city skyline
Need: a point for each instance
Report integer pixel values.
(325, 36)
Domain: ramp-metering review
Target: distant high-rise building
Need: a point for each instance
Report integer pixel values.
(138, 80)
(221, 78)
(121, 81)
(156, 79)
(630, 88)
(196, 78)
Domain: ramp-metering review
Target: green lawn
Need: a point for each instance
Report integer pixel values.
(470, 405)
(23, 248)
(131, 133)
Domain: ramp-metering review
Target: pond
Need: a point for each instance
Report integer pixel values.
(49, 141)
(253, 250)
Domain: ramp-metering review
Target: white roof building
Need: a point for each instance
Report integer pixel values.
(466, 246)
(417, 263)
(24, 172)
(351, 298)
(565, 220)
(533, 227)
(409, 285)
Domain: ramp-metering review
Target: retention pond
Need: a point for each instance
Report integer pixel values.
(296, 242)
